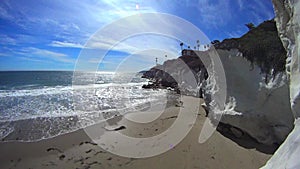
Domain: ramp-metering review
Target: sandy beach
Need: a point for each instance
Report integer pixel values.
(77, 150)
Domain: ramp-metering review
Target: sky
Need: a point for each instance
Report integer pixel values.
(52, 34)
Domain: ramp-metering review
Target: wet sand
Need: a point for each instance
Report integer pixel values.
(77, 150)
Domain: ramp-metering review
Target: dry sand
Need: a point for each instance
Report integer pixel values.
(77, 150)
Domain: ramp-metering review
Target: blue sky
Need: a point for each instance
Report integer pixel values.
(49, 35)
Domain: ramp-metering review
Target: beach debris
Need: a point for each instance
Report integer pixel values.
(61, 157)
(81, 160)
(94, 162)
(171, 117)
(88, 142)
(116, 129)
(88, 151)
(92, 143)
(98, 152)
(179, 104)
(109, 158)
(54, 149)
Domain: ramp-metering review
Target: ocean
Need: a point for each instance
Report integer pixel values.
(37, 105)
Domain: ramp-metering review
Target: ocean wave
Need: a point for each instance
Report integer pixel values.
(36, 128)
(53, 106)
(63, 102)
(50, 90)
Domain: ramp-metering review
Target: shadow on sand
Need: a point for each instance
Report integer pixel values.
(245, 140)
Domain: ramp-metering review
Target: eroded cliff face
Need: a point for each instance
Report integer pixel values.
(288, 24)
(258, 107)
(257, 86)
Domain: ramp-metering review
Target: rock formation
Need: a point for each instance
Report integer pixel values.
(288, 24)
(172, 74)
(257, 86)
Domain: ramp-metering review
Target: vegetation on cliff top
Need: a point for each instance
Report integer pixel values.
(262, 46)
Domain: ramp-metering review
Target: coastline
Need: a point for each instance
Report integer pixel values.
(77, 150)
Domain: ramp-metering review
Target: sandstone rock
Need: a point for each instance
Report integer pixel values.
(288, 24)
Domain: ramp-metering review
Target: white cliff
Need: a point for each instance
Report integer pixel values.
(260, 109)
(287, 156)
(288, 24)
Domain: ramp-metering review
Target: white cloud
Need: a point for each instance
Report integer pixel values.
(260, 11)
(66, 44)
(143, 38)
(3, 54)
(4, 14)
(74, 32)
(31, 59)
(7, 40)
(117, 9)
(4, 10)
(134, 44)
(42, 53)
(261, 7)
(94, 60)
(108, 43)
(214, 14)
(142, 32)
